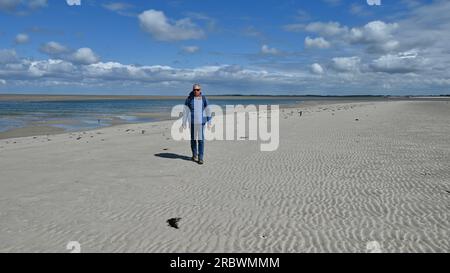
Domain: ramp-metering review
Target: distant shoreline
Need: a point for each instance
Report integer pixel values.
(49, 97)
(47, 129)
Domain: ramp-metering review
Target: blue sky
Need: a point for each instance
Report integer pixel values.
(324, 47)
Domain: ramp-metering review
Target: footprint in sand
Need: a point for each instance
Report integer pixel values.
(173, 222)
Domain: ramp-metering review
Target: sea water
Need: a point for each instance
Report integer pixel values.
(76, 115)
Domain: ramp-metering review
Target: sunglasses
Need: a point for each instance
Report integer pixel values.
(197, 89)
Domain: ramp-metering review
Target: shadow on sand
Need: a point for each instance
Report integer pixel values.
(173, 156)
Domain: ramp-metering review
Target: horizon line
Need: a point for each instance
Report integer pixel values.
(223, 95)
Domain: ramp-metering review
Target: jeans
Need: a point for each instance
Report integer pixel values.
(197, 136)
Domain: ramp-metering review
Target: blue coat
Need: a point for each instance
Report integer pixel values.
(189, 102)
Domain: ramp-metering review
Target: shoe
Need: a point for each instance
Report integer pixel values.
(200, 162)
(194, 158)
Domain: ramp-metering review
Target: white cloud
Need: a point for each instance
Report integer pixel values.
(84, 56)
(50, 67)
(404, 62)
(377, 36)
(117, 6)
(121, 8)
(163, 29)
(317, 69)
(190, 49)
(316, 42)
(73, 2)
(21, 38)
(387, 46)
(346, 64)
(294, 27)
(53, 48)
(327, 29)
(80, 56)
(2, 82)
(373, 32)
(111, 73)
(8, 56)
(265, 49)
(218, 78)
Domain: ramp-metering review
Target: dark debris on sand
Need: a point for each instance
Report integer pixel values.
(173, 222)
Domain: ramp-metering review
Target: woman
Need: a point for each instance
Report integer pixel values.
(198, 111)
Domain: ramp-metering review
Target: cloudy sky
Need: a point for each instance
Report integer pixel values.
(326, 47)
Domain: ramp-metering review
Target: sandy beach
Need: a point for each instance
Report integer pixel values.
(344, 175)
